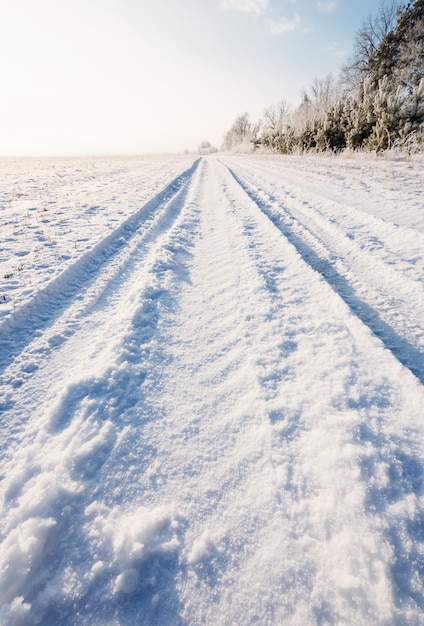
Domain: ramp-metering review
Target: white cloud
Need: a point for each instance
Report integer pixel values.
(284, 25)
(245, 6)
(336, 50)
(327, 7)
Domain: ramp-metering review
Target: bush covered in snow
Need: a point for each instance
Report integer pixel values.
(376, 104)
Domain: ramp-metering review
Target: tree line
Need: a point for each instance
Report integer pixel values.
(376, 103)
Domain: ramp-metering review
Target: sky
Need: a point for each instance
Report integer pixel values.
(92, 77)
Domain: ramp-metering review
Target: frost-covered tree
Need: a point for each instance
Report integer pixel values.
(401, 53)
(275, 117)
(378, 103)
(411, 50)
(373, 31)
(384, 115)
(360, 115)
(316, 100)
(242, 132)
(273, 124)
(387, 108)
(205, 147)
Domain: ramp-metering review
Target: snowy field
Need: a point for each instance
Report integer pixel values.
(212, 391)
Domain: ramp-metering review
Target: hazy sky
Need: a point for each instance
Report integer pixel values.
(136, 76)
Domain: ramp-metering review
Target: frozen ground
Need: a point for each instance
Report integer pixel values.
(212, 391)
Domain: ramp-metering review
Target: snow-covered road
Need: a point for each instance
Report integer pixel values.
(213, 414)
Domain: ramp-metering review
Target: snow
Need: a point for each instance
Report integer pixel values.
(211, 391)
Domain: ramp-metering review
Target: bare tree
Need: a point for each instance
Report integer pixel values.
(276, 117)
(317, 100)
(241, 132)
(324, 92)
(369, 37)
(205, 147)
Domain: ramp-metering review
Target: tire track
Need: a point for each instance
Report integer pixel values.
(362, 186)
(387, 243)
(104, 264)
(227, 441)
(86, 400)
(258, 440)
(320, 258)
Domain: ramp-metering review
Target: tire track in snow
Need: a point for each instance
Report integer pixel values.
(268, 403)
(315, 255)
(374, 436)
(19, 328)
(362, 184)
(237, 447)
(348, 232)
(51, 468)
(108, 285)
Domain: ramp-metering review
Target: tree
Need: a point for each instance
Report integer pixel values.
(378, 104)
(273, 125)
(206, 147)
(241, 132)
(317, 100)
(407, 46)
(368, 39)
(275, 117)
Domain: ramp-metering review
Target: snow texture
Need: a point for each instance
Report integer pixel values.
(212, 391)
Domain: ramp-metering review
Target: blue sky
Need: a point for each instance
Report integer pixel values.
(138, 76)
